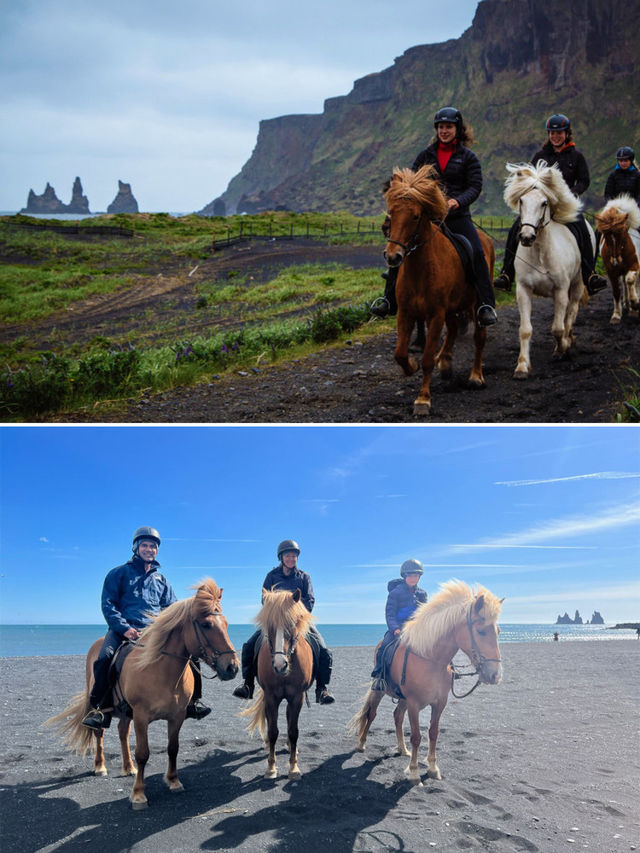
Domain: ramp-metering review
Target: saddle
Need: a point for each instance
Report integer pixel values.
(115, 670)
(464, 250)
(386, 659)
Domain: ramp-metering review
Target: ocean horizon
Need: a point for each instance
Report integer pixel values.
(48, 640)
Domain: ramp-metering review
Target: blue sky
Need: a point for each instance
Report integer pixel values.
(547, 516)
(168, 97)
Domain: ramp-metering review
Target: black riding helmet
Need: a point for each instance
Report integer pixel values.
(449, 114)
(558, 121)
(411, 567)
(288, 545)
(625, 153)
(145, 533)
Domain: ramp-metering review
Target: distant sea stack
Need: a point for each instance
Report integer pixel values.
(49, 202)
(125, 201)
(596, 619)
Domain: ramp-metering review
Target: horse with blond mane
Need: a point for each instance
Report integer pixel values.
(284, 670)
(421, 674)
(155, 683)
(618, 224)
(432, 284)
(548, 261)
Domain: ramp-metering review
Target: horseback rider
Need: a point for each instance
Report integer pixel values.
(130, 593)
(625, 178)
(403, 599)
(287, 576)
(560, 150)
(460, 177)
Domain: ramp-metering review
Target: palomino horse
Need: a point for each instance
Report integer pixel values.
(457, 617)
(431, 282)
(618, 223)
(547, 261)
(285, 671)
(156, 682)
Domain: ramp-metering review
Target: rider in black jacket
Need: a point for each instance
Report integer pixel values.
(460, 176)
(559, 149)
(625, 178)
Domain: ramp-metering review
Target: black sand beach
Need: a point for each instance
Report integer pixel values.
(549, 760)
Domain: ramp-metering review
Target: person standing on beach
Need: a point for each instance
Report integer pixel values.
(130, 594)
(287, 576)
(403, 599)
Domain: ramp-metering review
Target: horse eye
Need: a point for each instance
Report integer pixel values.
(482, 632)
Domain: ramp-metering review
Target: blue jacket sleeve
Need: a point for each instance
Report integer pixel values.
(391, 612)
(110, 603)
(168, 596)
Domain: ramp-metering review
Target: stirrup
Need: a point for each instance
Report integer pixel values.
(197, 710)
(503, 282)
(596, 283)
(323, 697)
(380, 307)
(244, 691)
(97, 719)
(486, 315)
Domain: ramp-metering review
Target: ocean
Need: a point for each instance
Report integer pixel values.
(46, 640)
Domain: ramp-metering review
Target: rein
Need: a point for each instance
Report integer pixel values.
(477, 659)
(203, 640)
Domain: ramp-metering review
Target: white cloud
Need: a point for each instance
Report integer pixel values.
(601, 475)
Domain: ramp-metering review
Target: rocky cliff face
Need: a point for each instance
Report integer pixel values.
(520, 61)
(49, 202)
(124, 202)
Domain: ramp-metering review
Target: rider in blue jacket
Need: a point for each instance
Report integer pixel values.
(403, 599)
(130, 594)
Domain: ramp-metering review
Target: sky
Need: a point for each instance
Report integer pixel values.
(168, 97)
(548, 517)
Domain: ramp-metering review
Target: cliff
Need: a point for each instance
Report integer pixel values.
(49, 202)
(520, 61)
(125, 201)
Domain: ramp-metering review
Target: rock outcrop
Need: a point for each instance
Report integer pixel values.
(49, 202)
(125, 201)
(520, 61)
(597, 619)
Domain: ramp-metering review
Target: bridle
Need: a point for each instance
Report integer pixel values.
(211, 656)
(477, 658)
(540, 224)
(414, 241)
(290, 651)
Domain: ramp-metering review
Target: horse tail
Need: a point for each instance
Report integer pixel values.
(68, 725)
(357, 724)
(256, 715)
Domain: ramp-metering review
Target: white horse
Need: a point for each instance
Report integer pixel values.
(547, 261)
(618, 223)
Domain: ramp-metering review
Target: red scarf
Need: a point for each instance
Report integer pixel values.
(444, 153)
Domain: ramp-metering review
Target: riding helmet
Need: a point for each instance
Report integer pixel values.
(288, 545)
(558, 122)
(145, 533)
(411, 567)
(625, 153)
(450, 114)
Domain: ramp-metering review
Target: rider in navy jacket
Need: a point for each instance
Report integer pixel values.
(403, 599)
(560, 150)
(625, 178)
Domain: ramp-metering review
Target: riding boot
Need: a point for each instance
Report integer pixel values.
(197, 710)
(485, 314)
(386, 306)
(245, 691)
(505, 280)
(323, 697)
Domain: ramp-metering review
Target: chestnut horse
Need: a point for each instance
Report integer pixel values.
(156, 682)
(285, 671)
(547, 261)
(431, 282)
(618, 223)
(457, 617)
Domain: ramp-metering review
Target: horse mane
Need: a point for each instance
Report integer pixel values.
(523, 177)
(420, 186)
(618, 214)
(448, 607)
(155, 636)
(279, 610)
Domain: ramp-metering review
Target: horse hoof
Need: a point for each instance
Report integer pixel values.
(421, 408)
(270, 774)
(477, 383)
(177, 789)
(360, 748)
(100, 771)
(434, 774)
(520, 374)
(138, 805)
(295, 775)
(614, 321)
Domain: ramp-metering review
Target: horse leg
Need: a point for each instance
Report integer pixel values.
(99, 767)
(401, 353)
(414, 721)
(171, 776)
(293, 712)
(366, 716)
(138, 799)
(398, 718)
(523, 297)
(616, 317)
(422, 403)
(476, 377)
(632, 279)
(559, 325)
(445, 355)
(433, 771)
(124, 725)
(272, 736)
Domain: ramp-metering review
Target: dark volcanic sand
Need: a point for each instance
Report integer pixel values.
(546, 761)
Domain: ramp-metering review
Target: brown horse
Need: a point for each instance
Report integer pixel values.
(431, 282)
(156, 683)
(618, 223)
(285, 671)
(457, 617)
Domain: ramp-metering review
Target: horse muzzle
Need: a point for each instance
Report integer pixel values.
(394, 259)
(227, 671)
(490, 672)
(527, 238)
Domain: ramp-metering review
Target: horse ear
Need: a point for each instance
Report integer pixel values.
(296, 595)
(477, 607)
(501, 600)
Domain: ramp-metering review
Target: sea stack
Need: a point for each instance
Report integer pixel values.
(125, 201)
(79, 203)
(48, 202)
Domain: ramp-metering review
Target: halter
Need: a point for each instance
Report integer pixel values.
(477, 658)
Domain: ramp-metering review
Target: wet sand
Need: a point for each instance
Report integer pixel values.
(549, 760)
